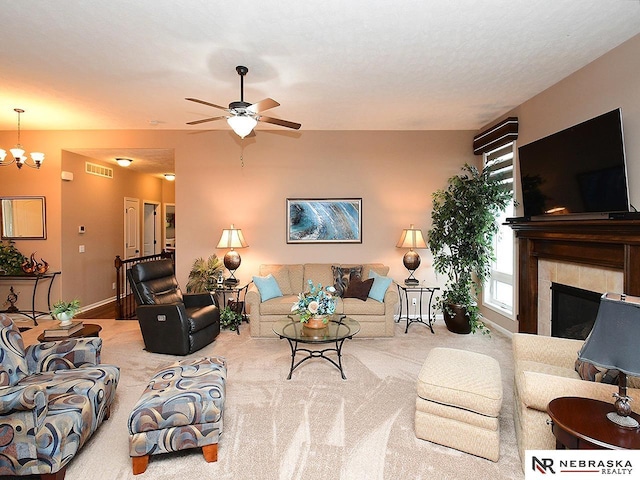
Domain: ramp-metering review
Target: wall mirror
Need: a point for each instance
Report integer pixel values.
(23, 218)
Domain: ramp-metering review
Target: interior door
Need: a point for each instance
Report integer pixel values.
(131, 227)
(151, 231)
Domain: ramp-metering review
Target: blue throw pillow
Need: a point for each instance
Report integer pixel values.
(379, 287)
(268, 287)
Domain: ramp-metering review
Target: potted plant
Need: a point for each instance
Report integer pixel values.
(65, 311)
(11, 259)
(230, 318)
(461, 242)
(204, 274)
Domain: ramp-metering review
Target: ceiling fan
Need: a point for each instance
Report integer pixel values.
(244, 116)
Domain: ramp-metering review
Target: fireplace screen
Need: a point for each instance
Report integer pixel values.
(573, 311)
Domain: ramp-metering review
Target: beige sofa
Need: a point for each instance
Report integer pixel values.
(544, 369)
(376, 318)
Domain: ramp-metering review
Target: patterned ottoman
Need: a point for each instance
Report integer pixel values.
(459, 400)
(181, 408)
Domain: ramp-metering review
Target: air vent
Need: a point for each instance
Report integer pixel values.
(99, 170)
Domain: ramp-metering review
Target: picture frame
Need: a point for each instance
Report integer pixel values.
(324, 220)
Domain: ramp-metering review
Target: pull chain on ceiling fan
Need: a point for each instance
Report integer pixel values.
(244, 116)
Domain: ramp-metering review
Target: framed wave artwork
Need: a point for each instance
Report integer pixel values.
(329, 220)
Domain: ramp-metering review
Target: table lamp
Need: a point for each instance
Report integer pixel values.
(232, 238)
(411, 238)
(613, 344)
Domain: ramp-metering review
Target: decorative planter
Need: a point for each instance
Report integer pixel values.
(459, 321)
(316, 323)
(65, 319)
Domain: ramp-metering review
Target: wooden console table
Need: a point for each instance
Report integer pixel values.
(608, 243)
(33, 314)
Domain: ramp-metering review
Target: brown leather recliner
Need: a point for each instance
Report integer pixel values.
(171, 322)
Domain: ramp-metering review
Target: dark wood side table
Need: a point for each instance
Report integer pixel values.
(87, 330)
(582, 423)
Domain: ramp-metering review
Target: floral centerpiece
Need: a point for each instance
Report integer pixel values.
(315, 306)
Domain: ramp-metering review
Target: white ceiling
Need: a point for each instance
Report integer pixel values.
(332, 65)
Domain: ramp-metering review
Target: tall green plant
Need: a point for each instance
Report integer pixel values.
(461, 236)
(203, 274)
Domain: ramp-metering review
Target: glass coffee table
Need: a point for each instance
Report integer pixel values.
(337, 331)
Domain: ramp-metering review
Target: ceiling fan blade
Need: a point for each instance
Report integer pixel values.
(263, 105)
(278, 121)
(207, 103)
(196, 122)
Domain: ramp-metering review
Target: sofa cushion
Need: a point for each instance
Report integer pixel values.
(278, 306)
(379, 268)
(545, 368)
(13, 362)
(318, 273)
(268, 287)
(281, 274)
(358, 289)
(588, 371)
(380, 286)
(343, 275)
(354, 306)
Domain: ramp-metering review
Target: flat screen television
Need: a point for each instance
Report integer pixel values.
(577, 171)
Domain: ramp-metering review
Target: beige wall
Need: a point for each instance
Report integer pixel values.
(609, 82)
(88, 276)
(393, 172)
(97, 203)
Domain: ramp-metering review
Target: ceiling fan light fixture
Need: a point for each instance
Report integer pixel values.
(124, 162)
(242, 124)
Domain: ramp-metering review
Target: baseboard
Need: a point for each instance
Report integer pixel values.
(499, 328)
(98, 304)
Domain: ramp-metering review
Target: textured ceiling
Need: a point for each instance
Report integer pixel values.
(332, 65)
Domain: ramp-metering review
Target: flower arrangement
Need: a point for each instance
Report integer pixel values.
(316, 302)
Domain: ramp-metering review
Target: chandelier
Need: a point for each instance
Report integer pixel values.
(18, 152)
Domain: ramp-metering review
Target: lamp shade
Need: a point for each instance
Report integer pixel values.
(411, 238)
(232, 238)
(242, 124)
(613, 341)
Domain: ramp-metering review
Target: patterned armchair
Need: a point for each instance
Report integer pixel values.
(53, 396)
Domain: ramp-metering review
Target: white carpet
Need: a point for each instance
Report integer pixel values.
(314, 426)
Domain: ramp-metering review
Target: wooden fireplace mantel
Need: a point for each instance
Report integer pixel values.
(604, 243)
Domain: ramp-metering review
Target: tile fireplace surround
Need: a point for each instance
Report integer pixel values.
(595, 279)
(565, 248)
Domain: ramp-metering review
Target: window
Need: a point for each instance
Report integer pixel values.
(498, 292)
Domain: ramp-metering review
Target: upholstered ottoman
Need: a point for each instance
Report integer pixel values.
(181, 408)
(459, 399)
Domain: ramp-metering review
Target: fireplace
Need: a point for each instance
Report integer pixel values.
(573, 311)
(609, 243)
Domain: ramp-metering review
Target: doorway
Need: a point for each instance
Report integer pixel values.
(170, 227)
(151, 228)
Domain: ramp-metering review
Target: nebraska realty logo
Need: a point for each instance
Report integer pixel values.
(581, 464)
